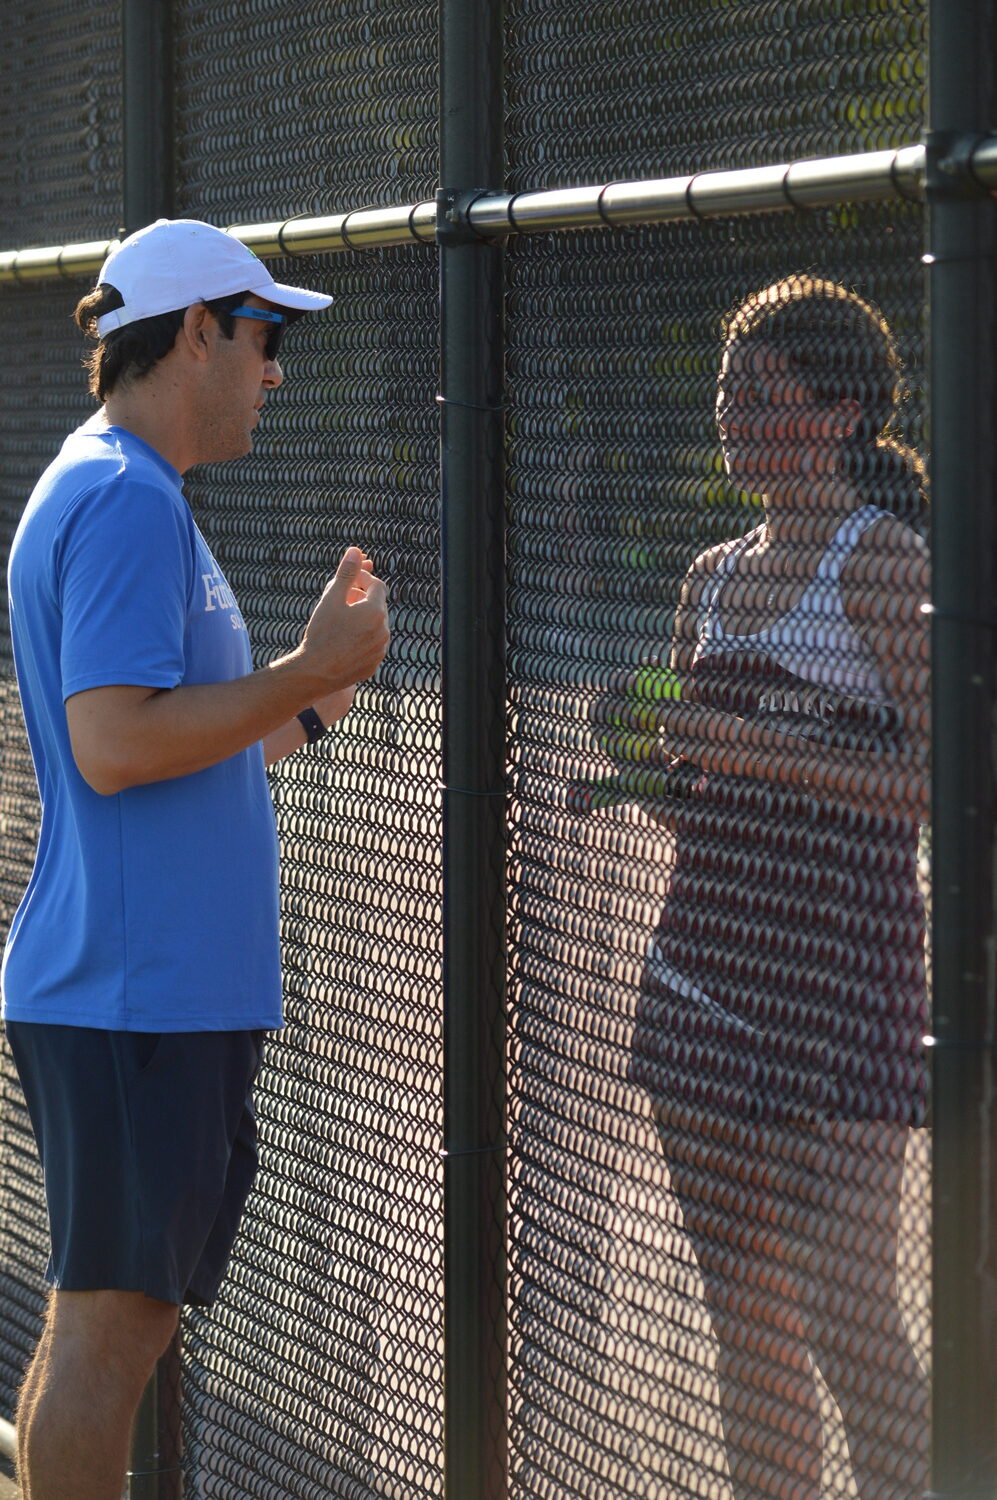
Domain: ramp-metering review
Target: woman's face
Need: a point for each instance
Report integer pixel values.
(771, 428)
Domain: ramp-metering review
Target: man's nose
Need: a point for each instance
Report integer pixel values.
(273, 375)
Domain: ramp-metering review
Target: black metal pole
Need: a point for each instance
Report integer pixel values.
(147, 43)
(961, 283)
(148, 194)
(156, 1465)
(472, 486)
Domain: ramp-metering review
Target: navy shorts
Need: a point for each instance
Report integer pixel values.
(148, 1145)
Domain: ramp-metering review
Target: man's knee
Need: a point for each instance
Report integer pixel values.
(125, 1329)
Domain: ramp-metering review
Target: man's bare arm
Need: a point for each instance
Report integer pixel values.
(124, 736)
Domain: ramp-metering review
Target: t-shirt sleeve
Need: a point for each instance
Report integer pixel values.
(124, 571)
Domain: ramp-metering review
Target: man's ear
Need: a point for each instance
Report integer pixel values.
(195, 332)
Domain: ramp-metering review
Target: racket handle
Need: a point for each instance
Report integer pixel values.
(637, 784)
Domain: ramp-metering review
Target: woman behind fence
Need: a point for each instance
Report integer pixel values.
(782, 1009)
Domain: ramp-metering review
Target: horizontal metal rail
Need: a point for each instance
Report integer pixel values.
(865, 177)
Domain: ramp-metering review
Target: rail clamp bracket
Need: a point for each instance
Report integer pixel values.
(949, 170)
(453, 215)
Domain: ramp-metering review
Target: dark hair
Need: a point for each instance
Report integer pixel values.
(129, 353)
(841, 347)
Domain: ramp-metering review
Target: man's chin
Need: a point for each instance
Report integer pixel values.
(245, 446)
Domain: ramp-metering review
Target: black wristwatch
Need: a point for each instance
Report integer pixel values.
(312, 725)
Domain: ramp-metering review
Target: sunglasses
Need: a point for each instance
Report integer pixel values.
(263, 315)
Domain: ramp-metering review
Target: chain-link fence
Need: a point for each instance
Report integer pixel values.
(717, 1155)
(694, 953)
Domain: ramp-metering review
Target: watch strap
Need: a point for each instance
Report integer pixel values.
(312, 725)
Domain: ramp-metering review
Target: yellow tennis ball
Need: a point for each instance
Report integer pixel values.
(656, 684)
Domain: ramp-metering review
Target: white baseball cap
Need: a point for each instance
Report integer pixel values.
(174, 263)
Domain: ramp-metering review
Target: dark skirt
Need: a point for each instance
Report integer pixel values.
(786, 980)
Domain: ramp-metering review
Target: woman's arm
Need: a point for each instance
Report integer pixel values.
(731, 746)
(884, 586)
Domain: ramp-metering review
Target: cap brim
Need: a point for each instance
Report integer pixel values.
(297, 298)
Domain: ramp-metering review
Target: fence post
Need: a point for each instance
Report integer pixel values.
(473, 526)
(962, 368)
(147, 91)
(155, 1469)
(148, 194)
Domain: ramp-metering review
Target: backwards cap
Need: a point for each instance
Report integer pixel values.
(174, 263)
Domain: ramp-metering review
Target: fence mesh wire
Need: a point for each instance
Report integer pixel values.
(342, 106)
(696, 951)
(637, 89)
(694, 954)
(60, 168)
(43, 404)
(342, 1346)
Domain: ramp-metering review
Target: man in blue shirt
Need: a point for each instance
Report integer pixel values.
(142, 966)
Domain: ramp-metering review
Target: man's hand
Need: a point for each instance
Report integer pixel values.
(347, 635)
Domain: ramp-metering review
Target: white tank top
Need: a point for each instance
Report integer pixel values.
(815, 639)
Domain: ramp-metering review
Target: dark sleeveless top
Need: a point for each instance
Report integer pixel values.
(786, 979)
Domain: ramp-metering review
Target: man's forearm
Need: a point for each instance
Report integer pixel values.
(283, 741)
(124, 737)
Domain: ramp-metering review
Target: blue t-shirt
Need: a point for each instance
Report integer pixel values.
(155, 909)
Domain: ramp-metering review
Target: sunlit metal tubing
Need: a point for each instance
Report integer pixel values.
(806, 184)
(865, 177)
(363, 229)
(984, 162)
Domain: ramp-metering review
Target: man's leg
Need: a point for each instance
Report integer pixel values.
(83, 1389)
(27, 1396)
